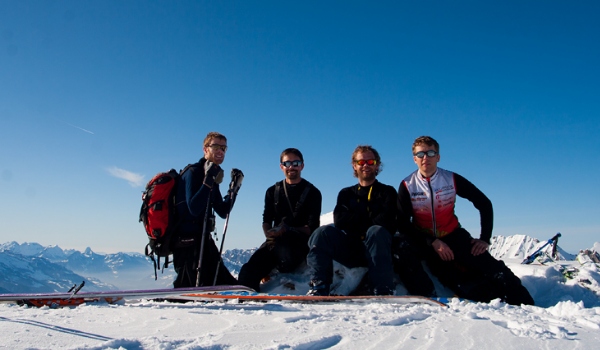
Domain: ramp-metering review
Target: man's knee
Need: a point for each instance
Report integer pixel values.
(321, 235)
(248, 278)
(378, 235)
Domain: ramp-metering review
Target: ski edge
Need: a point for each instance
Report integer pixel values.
(253, 296)
(124, 294)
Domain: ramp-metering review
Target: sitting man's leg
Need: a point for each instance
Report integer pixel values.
(290, 250)
(499, 280)
(259, 266)
(407, 259)
(378, 243)
(327, 243)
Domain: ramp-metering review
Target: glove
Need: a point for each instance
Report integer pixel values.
(236, 181)
(274, 232)
(212, 174)
(277, 231)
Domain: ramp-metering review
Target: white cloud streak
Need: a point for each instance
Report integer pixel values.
(135, 180)
(77, 127)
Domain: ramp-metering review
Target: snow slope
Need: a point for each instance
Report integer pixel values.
(231, 325)
(567, 314)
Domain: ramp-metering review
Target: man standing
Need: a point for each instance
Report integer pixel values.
(198, 198)
(292, 212)
(426, 218)
(364, 221)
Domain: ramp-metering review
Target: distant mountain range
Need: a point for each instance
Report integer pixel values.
(33, 268)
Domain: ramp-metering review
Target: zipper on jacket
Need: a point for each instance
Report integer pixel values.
(432, 207)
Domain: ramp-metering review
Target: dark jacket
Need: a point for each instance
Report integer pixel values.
(356, 210)
(191, 201)
(307, 214)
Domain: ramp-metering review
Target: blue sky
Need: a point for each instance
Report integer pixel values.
(93, 90)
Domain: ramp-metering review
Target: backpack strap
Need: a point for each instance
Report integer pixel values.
(276, 194)
(150, 253)
(187, 167)
(300, 201)
(303, 197)
(287, 197)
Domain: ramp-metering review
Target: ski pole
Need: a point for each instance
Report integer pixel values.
(554, 252)
(234, 191)
(75, 289)
(203, 239)
(221, 249)
(532, 257)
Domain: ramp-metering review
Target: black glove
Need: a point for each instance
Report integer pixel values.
(212, 174)
(236, 181)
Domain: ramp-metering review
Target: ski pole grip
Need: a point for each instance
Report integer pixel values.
(555, 237)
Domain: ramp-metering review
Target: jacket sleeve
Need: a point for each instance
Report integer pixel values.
(314, 217)
(384, 212)
(346, 214)
(269, 210)
(196, 194)
(467, 190)
(222, 206)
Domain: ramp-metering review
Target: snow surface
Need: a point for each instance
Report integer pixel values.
(567, 312)
(568, 315)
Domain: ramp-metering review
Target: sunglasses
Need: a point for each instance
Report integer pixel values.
(216, 147)
(289, 163)
(430, 153)
(362, 162)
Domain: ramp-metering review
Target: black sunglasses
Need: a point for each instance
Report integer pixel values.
(430, 153)
(215, 147)
(289, 163)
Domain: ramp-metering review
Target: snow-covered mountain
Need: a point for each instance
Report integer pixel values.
(31, 267)
(21, 273)
(521, 246)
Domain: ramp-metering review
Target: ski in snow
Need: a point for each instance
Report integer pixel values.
(266, 297)
(55, 300)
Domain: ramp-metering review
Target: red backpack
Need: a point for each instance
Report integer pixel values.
(159, 215)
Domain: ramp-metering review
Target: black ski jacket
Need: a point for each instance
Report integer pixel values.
(192, 198)
(278, 211)
(359, 208)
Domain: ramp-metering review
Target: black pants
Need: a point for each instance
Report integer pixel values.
(477, 277)
(285, 254)
(328, 243)
(185, 262)
(407, 257)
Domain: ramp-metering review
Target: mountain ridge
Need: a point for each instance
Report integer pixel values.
(31, 267)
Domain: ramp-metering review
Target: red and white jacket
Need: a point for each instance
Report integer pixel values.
(426, 205)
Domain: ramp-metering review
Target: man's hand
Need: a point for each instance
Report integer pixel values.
(479, 246)
(276, 232)
(212, 174)
(236, 181)
(443, 250)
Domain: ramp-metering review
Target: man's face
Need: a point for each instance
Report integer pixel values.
(365, 172)
(291, 172)
(427, 165)
(215, 151)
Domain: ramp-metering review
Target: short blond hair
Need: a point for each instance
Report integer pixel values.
(427, 140)
(213, 135)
